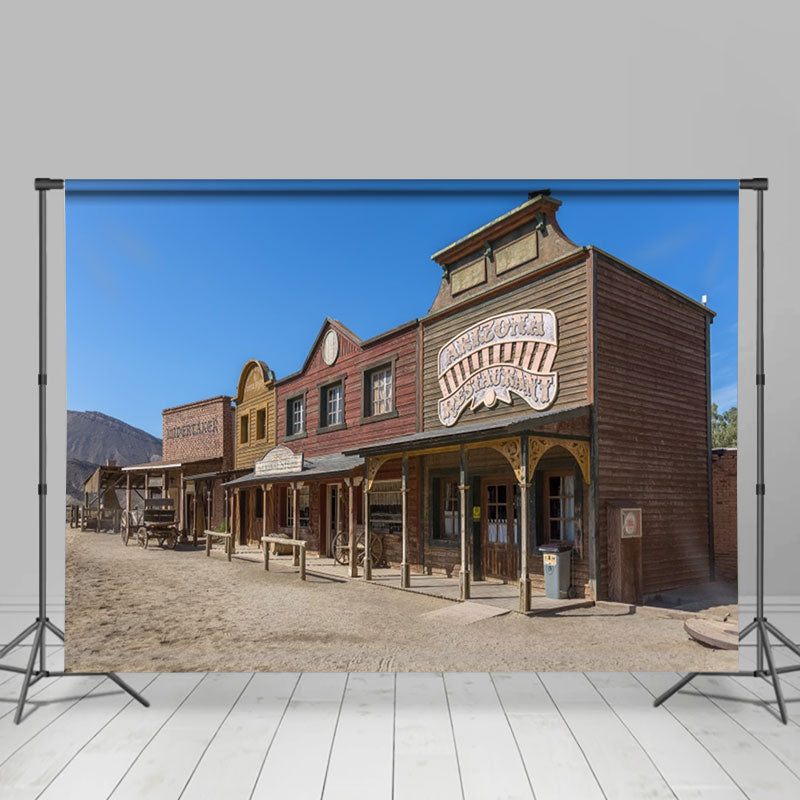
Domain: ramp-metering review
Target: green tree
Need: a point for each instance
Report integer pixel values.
(723, 426)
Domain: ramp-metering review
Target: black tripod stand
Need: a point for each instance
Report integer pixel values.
(33, 673)
(760, 624)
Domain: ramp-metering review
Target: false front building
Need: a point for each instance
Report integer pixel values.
(563, 400)
(348, 392)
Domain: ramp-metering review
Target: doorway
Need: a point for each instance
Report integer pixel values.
(500, 529)
(332, 516)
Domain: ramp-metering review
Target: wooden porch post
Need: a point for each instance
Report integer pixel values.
(145, 484)
(462, 492)
(524, 508)
(351, 526)
(194, 516)
(127, 496)
(405, 571)
(367, 553)
(227, 512)
(182, 501)
(163, 485)
(264, 512)
(295, 519)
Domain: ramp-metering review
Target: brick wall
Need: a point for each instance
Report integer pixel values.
(199, 431)
(723, 475)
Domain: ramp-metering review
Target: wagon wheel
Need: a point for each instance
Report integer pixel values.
(141, 536)
(172, 540)
(341, 548)
(126, 534)
(375, 549)
(123, 529)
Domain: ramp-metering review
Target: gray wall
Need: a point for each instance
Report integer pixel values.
(617, 89)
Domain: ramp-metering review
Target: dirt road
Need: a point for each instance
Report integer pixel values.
(160, 610)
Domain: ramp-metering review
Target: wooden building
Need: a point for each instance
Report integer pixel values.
(553, 394)
(563, 398)
(348, 392)
(197, 457)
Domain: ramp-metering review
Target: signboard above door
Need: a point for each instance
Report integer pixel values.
(279, 460)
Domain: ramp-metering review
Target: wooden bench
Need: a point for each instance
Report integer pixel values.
(227, 537)
(297, 545)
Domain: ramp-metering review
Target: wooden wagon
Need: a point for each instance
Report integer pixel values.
(158, 522)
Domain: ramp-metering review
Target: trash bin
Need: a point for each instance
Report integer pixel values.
(557, 558)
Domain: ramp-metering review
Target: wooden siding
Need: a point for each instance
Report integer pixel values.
(565, 292)
(353, 358)
(652, 418)
(256, 395)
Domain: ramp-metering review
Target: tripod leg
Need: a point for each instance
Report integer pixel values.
(26, 681)
(131, 691)
(676, 688)
(55, 629)
(747, 629)
(783, 638)
(776, 680)
(17, 639)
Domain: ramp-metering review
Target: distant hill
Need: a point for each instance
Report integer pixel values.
(96, 437)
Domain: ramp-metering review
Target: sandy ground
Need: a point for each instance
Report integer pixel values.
(132, 610)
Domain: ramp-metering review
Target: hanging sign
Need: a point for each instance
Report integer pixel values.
(631, 527)
(505, 354)
(279, 460)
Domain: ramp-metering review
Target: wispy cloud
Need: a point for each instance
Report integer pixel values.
(678, 239)
(725, 396)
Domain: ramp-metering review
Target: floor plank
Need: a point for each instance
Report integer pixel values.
(754, 768)
(555, 763)
(686, 765)
(488, 754)
(298, 758)
(47, 700)
(104, 759)
(425, 761)
(361, 760)
(31, 768)
(231, 764)
(167, 762)
(747, 709)
(621, 765)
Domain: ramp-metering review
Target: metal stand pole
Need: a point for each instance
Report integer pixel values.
(759, 624)
(33, 673)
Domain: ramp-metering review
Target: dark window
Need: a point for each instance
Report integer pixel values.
(259, 503)
(261, 423)
(560, 508)
(244, 429)
(379, 391)
(385, 507)
(331, 405)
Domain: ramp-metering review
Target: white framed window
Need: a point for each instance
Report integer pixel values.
(334, 407)
(379, 391)
(386, 507)
(297, 415)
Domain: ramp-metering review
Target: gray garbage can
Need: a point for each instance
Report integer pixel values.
(557, 558)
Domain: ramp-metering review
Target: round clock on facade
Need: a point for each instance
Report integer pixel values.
(330, 347)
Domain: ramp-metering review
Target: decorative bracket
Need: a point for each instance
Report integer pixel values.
(580, 450)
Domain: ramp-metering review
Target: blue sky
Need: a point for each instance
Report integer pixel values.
(170, 292)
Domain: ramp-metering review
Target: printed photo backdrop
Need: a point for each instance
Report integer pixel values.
(408, 425)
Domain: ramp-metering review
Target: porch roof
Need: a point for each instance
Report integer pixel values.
(473, 432)
(314, 467)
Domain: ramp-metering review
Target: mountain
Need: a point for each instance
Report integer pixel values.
(94, 438)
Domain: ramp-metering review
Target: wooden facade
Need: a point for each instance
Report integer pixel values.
(254, 428)
(548, 385)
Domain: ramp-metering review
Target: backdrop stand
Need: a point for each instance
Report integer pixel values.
(36, 671)
(760, 624)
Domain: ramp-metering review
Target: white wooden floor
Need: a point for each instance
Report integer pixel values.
(384, 735)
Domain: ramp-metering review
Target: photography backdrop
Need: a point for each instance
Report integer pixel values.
(177, 260)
